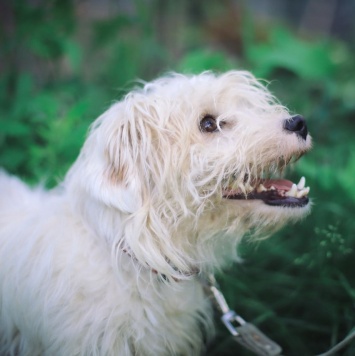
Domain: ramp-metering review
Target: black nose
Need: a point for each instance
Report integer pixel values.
(296, 124)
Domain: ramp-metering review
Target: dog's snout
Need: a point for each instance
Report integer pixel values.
(296, 124)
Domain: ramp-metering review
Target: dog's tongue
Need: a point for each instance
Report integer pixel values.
(279, 184)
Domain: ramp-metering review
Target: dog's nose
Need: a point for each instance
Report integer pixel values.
(296, 124)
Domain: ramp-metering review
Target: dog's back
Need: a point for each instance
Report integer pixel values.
(16, 199)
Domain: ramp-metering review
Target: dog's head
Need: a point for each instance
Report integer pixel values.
(189, 158)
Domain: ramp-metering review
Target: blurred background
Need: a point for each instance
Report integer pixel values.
(63, 62)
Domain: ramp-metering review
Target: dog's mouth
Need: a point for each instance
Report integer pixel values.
(275, 192)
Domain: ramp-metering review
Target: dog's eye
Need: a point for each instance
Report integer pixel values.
(208, 124)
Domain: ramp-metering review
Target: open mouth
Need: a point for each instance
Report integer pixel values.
(275, 192)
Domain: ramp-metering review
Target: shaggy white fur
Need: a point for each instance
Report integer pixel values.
(167, 183)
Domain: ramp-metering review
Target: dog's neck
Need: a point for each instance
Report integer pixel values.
(184, 275)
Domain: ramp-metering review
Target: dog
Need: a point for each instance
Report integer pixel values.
(167, 183)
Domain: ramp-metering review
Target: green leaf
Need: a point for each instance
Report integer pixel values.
(201, 60)
(74, 54)
(13, 128)
(309, 60)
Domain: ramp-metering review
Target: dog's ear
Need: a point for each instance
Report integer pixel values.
(109, 167)
(125, 165)
(127, 152)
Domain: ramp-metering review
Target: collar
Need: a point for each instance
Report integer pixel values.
(193, 272)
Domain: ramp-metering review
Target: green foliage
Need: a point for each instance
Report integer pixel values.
(201, 60)
(284, 50)
(297, 286)
(54, 87)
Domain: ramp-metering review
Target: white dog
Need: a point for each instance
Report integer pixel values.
(167, 183)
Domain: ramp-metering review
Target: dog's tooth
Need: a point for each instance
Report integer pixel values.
(261, 188)
(272, 188)
(292, 192)
(301, 183)
(300, 194)
(303, 192)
